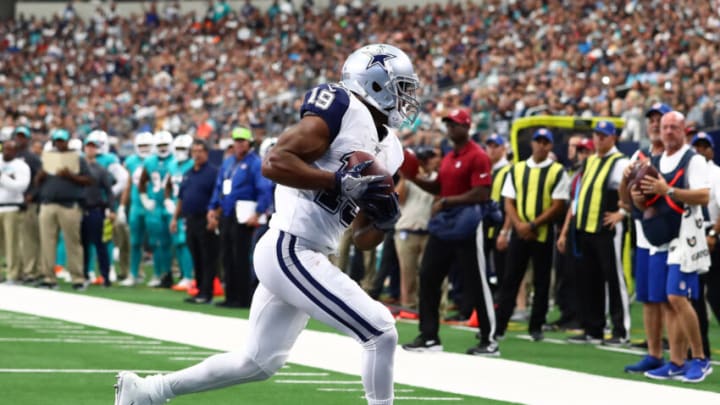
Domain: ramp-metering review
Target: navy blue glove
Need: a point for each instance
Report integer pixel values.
(383, 210)
(351, 183)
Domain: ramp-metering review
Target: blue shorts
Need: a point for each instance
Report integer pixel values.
(642, 257)
(657, 273)
(683, 284)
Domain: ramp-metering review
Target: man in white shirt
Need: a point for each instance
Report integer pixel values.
(692, 188)
(704, 144)
(649, 288)
(14, 180)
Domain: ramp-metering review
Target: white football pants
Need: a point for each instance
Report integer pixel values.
(298, 282)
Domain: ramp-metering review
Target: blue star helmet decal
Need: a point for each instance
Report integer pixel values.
(379, 60)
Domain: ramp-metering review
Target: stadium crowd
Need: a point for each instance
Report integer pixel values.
(184, 72)
(217, 77)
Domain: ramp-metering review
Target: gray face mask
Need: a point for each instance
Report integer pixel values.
(181, 155)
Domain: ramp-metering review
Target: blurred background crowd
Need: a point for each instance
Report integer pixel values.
(237, 64)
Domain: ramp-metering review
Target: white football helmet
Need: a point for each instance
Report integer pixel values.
(48, 146)
(384, 77)
(163, 143)
(100, 139)
(75, 144)
(181, 146)
(144, 144)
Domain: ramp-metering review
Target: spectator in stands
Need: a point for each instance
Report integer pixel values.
(14, 180)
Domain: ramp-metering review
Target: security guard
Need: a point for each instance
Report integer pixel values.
(535, 193)
(599, 236)
(239, 178)
(496, 240)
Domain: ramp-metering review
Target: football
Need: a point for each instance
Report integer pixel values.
(411, 165)
(638, 172)
(374, 169)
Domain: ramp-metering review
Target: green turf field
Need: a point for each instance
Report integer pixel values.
(58, 381)
(584, 358)
(47, 361)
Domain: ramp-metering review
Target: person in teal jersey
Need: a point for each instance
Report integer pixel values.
(178, 167)
(110, 162)
(152, 195)
(131, 210)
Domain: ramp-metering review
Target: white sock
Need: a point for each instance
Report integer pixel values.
(218, 371)
(377, 368)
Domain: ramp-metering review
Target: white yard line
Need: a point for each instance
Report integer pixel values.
(72, 371)
(333, 389)
(318, 382)
(494, 378)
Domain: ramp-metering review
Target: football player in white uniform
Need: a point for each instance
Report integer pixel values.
(318, 197)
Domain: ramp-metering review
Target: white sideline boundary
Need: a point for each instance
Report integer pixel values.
(493, 378)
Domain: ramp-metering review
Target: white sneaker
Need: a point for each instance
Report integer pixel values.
(154, 282)
(128, 282)
(182, 285)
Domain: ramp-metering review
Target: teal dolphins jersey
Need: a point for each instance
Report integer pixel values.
(134, 166)
(107, 159)
(177, 172)
(159, 171)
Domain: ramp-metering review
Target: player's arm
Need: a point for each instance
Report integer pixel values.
(125, 196)
(365, 235)
(431, 186)
(475, 195)
(121, 176)
(142, 184)
(288, 162)
(168, 187)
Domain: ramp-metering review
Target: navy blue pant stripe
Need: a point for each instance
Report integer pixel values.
(329, 295)
(285, 269)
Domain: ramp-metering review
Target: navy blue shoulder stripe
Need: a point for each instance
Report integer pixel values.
(329, 102)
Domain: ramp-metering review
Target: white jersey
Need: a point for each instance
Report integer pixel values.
(320, 216)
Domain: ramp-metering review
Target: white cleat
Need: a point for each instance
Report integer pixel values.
(132, 389)
(154, 282)
(128, 282)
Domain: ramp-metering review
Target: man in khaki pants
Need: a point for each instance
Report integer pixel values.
(29, 238)
(14, 180)
(411, 233)
(61, 195)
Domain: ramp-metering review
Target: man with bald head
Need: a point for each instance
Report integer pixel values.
(682, 182)
(14, 180)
